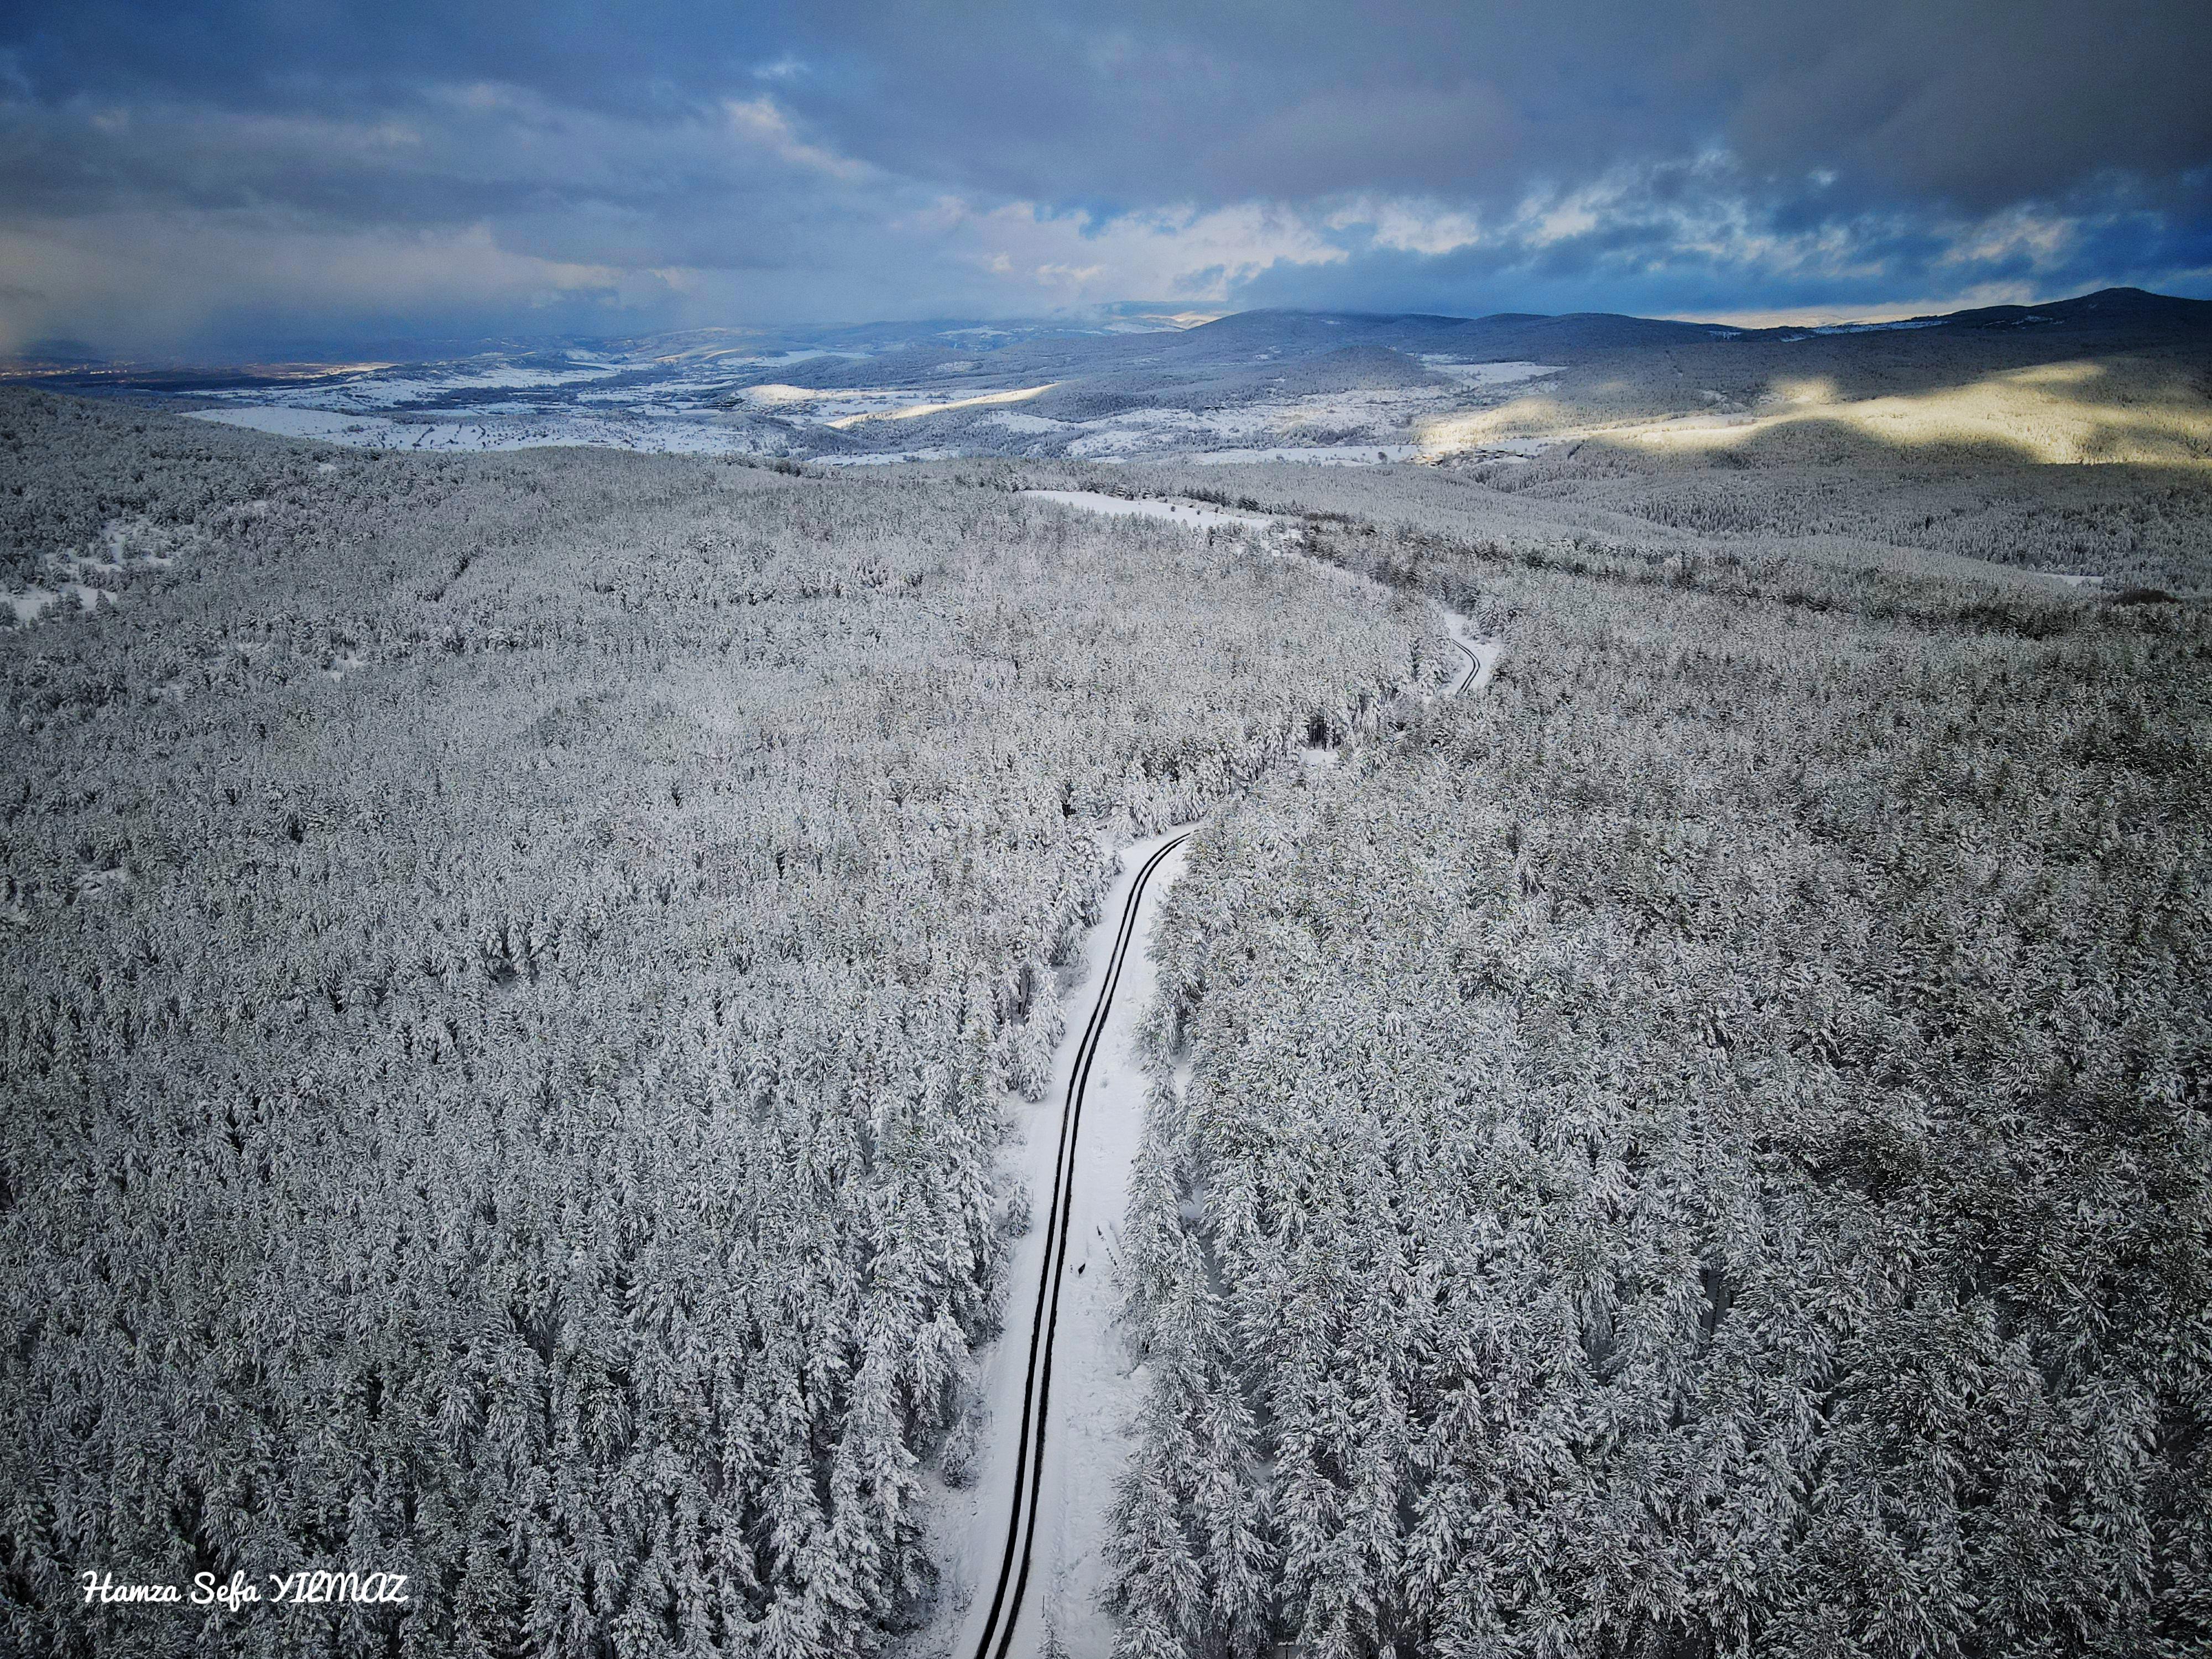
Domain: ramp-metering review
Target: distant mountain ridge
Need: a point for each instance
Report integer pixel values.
(1197, 334)
(1142, 380)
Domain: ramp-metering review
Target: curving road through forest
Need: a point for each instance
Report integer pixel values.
(1019, 1502)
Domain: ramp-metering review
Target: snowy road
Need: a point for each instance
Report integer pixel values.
(1028, 1541)
(1481, 656)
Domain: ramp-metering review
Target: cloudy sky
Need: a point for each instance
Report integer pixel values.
(261, 176)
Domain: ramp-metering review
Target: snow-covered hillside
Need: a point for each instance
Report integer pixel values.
(905, 403)
(1152, 383)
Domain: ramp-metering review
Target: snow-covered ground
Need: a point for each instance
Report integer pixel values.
(1489, 374)
(1093, 1392)
(714, 397)
(842, 409)
(680, 399)
(1311, 426)
(379, 389)
(1094, 1402)
(1314, 454)
(1030, 423)
(890, 457)
(32, 603)
(1194, 514)
(1090, 1390)
(658, 435)
(1482, 667)
(126, 547)
(946, 405)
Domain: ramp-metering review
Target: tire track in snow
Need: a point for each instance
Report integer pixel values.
(1009, 1597)
(1009, 1593)
(1036, 1394)
(1481, 659)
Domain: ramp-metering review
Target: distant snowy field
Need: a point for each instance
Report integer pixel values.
(662, 405)
(1185, 513)
(651, 434)
(930, 396)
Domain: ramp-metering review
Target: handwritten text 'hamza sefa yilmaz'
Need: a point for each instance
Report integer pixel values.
(296, 1589)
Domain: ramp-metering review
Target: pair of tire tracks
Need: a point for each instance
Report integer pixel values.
(997, 1637)
(1044, 1324)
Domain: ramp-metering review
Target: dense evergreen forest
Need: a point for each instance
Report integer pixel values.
(512, 968)
(1703, 1150)
(1967, 519)
(508, 969)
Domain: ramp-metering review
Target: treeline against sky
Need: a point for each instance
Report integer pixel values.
(509, 967)
(1702, 1150)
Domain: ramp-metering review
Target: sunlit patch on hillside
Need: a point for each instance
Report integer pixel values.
(2082, 412)
(911, 411)
(2057, 414)
(1522, 427)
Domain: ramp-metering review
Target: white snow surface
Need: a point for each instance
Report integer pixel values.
(935, 452)
(660, 435)
(1016, 423)
(1305, 427)
(1488, 373)
(1090, 1428)
(1095, 1392)
(712, 396)
(1312, 454)
(34, 602)
(1486, 652)
(1193, 514)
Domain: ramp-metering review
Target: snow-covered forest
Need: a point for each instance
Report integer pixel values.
(1917, 517)
(1090, 830)
(1702, 1150)
(515, 970)
(509, 967)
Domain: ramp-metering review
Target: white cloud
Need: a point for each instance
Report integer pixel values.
(1562, 223)
(1408, 226)
(2041, 238)
(1183, 253)
(759, 121)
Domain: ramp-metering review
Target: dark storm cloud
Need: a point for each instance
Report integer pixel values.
(659, 160)
(1978, 103)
